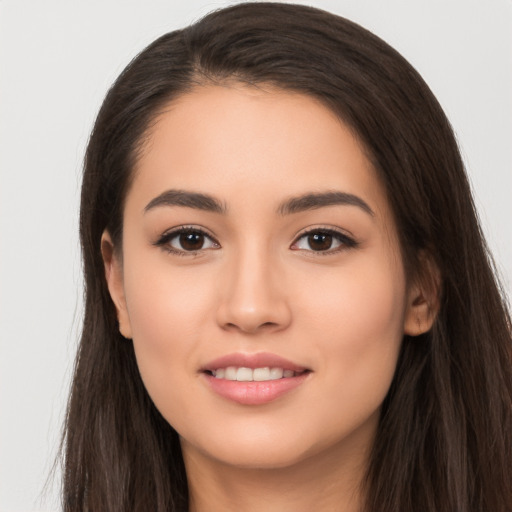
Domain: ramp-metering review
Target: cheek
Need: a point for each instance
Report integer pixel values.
(167, 311)
(365, 309)
(166, 303)
(367, 295)
(355, 318)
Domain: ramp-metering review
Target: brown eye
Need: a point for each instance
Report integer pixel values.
(192, 241)
(186, 240)
(320, 241)
(326, 241)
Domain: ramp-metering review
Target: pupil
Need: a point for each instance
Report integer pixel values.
(320, 241)
(191, 241)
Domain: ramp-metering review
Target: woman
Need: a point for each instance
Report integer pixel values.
(289, 303)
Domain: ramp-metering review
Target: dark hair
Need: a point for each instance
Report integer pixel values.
(444, 438)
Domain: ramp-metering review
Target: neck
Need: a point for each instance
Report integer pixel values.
(324, 482)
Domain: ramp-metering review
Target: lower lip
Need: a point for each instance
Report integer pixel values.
(254, 393)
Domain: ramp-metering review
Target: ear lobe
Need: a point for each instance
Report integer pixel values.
(114, 278)
(423, 298)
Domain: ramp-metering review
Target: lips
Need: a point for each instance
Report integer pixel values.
(253, 361)
(253, 379)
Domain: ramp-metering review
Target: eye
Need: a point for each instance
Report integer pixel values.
(323, 240)
(186, 240)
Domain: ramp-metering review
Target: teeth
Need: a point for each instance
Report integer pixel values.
(230, 373)
(276, 373)
(260, 374)
(243, 374)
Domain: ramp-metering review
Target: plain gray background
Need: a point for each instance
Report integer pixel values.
(57, 59)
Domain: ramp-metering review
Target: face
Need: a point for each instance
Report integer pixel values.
(261, 279)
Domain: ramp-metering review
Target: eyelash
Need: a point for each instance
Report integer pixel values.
(167, 237)
(345, 241)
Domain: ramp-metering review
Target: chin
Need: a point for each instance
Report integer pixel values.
(261, 449)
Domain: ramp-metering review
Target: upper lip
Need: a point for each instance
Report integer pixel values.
(258, 360)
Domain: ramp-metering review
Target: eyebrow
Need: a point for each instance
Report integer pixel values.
(320, 200)
(310, 201)
(188, 199)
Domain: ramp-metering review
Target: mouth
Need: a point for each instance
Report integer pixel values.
(263, 374)
(253, 379)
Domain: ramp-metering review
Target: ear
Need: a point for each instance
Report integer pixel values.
(423, 297)
(114, 277)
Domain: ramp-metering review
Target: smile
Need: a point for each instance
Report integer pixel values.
(254, 379)
(243, 374)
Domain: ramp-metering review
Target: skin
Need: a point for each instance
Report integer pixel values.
(257, 286)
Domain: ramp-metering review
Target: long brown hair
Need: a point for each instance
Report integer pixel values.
(444, 441)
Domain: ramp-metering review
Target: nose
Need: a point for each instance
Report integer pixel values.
(253, 295)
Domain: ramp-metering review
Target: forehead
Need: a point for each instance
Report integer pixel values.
(236, 142)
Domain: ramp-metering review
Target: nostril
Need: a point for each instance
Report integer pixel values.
(250, 328)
